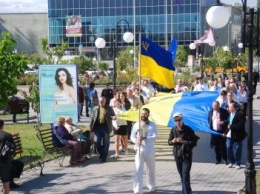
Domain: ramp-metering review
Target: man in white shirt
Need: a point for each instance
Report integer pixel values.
(201, 86)
(144, 135)
(217, 118)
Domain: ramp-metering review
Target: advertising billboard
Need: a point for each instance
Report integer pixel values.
(58, 92)
(73, 26)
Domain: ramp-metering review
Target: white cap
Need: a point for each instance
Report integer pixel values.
(177, 114)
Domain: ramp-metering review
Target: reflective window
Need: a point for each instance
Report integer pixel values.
(99, 18)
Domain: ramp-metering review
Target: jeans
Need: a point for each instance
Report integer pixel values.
(184, 167)
(238, 151)
(90, 110)
(102, 139)
(86, 103)
(80, 107)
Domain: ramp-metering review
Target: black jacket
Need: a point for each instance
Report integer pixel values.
(223, 117)
(237, 127)
(183, 150)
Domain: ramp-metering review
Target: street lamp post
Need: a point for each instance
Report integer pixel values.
(226, 50)
(201, 46)
(250, 184)
(132, 53)
(101, 43)
(128, 37)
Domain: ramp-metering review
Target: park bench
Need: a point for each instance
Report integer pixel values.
(32, 160)
(45, 137)
(19, 106)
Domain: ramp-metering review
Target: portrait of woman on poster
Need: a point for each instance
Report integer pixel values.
(65, 93)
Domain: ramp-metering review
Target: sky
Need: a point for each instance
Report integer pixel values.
(39, 6)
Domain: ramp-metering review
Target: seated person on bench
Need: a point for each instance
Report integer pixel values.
(78, 135)
(62, 138)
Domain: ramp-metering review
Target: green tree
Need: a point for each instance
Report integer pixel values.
(125, 59)
(225, 59)
(54, 54)
(181, 56)
(83, 63)
(103, 66)
(35, 59)
(33, 97)
(12, 66)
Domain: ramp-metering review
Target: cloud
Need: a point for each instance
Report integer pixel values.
(23, 6)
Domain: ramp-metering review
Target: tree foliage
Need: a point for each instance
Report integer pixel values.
(54, 54)
(35, 59)
(125, 59)
(181, 56)
(226, 60)
(12, 66)
(103, 66)
(83, 63)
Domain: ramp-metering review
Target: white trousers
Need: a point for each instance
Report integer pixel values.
(147, 157)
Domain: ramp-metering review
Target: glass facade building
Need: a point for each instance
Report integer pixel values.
(158, 20)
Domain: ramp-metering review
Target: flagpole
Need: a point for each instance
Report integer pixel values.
(139, 69)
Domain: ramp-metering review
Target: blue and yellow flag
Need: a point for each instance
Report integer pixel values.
(156, 63)
(194, 106)
(173, 48)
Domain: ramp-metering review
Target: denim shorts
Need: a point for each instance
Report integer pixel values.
(5, 171)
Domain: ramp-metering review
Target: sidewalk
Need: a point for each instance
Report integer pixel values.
(116, 175)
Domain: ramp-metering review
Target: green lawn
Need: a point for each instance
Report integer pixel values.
(10, 116)
(28, 136)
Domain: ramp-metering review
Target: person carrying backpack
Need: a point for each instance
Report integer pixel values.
(92, 98)
(5, 165)
(183, 140)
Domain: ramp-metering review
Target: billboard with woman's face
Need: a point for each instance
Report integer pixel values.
(58, 92)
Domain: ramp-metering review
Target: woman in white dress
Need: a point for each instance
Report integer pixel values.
(65, 93)
(120, 128)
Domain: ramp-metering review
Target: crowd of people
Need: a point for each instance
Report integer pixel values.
(226, 118)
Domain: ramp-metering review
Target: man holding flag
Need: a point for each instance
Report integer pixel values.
(144, 135)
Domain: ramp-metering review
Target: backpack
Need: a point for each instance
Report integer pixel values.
(92, 97)
(8, 149)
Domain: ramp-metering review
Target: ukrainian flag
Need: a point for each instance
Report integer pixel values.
(194, 106)
(156, 63)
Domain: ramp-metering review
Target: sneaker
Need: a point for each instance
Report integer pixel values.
(230, 165)
(115, 156)
(217, 162)
(238, 167)
(226, 162)
(152, 190)
(122, 150)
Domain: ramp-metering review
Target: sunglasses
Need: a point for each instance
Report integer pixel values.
(177, 120)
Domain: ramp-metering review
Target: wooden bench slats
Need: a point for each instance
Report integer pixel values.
(45, 136)
(26, 159)
(29, 159)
